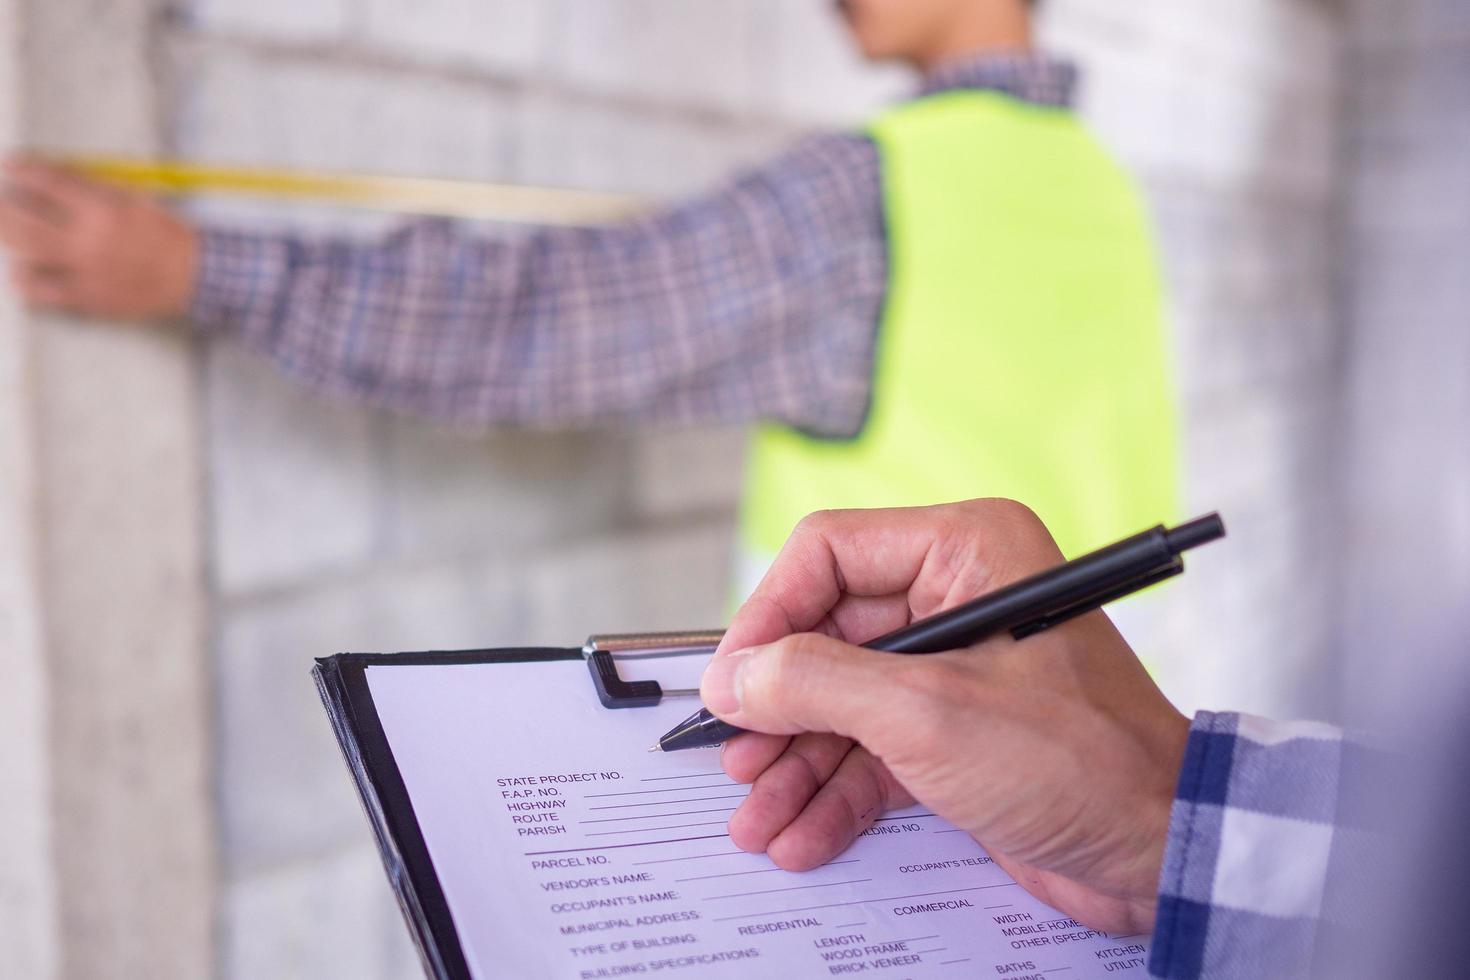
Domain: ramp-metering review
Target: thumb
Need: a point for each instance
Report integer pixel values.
(806, 683)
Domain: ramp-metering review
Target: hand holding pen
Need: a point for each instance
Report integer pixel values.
(1023, 608)
(1058, 753)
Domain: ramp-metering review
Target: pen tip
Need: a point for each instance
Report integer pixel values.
(655, 748)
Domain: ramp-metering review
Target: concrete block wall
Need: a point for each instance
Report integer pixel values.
(1228, 115)
(336, 528)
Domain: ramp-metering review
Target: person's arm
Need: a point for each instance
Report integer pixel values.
(1057, 752)
(1251, 840)
(759, 300)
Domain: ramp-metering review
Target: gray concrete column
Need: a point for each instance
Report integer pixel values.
(28, 940)
(102, 603)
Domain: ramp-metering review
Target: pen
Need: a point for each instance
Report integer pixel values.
(1022, 608)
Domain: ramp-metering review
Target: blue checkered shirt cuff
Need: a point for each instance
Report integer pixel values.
(239, 281)
(1251, 837)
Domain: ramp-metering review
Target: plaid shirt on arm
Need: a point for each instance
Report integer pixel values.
(760, 300)
(1251, 837)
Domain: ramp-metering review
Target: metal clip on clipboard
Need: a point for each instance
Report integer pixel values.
(603, 652)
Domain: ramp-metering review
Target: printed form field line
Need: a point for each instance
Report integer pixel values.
(757, 871)
(661, 816)
(691, 857)
(793, 888)
(649, 830)
(613, 847)
(696, 799)
(865, 901)
(648, 792)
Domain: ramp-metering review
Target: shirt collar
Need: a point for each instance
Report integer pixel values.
(1031, 76)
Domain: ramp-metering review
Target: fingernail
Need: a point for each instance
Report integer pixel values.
(721, 683)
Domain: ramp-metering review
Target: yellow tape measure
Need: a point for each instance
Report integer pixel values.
(413, 195)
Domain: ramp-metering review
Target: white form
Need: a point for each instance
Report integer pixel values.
(566, 849)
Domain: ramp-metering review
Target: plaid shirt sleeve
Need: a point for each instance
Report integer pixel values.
(758, 301)
(1252, 835)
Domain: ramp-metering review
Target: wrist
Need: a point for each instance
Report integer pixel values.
(182, 275)
(1154, 815)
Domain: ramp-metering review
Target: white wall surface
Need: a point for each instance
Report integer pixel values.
(1406, 301)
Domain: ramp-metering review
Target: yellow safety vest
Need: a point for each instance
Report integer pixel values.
(1021, 352)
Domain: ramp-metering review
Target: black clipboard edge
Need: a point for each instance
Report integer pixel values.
(341, 682)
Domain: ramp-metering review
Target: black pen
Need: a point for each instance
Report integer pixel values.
(1022, 608)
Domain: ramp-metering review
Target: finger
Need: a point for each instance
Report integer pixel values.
(937, 556)
(785, 788)
(27, 234)
(758, 620)
(52, 187)
(847, 804)
(38, 284)
(746, 757)
(809, 683)
(859, 619)
(862, 553)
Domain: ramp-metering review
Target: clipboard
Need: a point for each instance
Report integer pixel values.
(341, 682)
(527, 833)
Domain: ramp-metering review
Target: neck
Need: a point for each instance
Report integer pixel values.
(981, 28)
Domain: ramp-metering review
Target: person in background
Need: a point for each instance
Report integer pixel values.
(959, 300)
